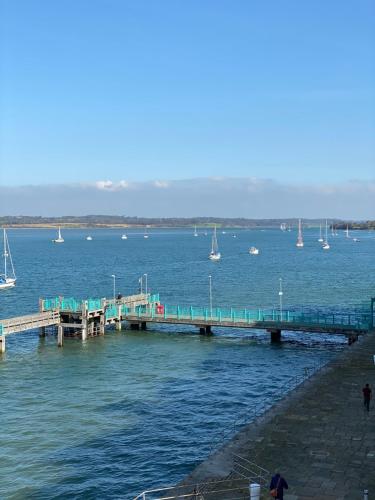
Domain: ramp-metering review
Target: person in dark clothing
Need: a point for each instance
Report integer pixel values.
(366, 396)
(278, 483)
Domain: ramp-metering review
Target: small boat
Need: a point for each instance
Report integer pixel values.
(283, 226)
(124, 237)
(223, 232)
(59, 238)
(195, 231)
(7, 281)
(347, 231)
(254, 251)
(325, 245)
(299, 243)
(234, 236)
(145, 235)
(355, 239)
(89, 238)
(214, 254)
(320, 234)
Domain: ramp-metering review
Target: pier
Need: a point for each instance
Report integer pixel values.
(89, 318)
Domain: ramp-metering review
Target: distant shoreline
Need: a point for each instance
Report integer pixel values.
(127, 222)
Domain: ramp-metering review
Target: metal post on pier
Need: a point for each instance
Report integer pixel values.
(281, 298)
(84, 320)
(210, 293)
(2, 344)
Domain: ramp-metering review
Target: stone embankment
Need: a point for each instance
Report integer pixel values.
(320, 437)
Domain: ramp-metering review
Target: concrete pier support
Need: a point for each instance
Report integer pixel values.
(118, 325)
(60, 335)
(42, 331)
(143, 325)
(2, 344)
(205, 330)
(84, 321)
(275, 335)
(102, 324)
(134, 326)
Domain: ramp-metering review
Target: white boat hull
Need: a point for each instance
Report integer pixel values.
(214, 256)
(9, 283)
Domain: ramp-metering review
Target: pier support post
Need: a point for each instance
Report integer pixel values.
(42, 331)
(205, 330)
(60, 335)
(134, 326)
(84, 321)
(2, 344)
(275, 335)
(102, 324)
(143, 325)
(118, 325)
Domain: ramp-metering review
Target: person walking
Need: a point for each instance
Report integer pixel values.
(367, 394)
(277, 486)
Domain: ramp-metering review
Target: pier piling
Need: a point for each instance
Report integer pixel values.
(60, 335)
(275, 335)
(2, 344)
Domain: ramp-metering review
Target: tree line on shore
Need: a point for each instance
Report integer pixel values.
(129, 221)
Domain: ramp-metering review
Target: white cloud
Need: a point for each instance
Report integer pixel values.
(161, 184)
(231, 197)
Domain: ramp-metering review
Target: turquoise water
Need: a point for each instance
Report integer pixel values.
(133, 410)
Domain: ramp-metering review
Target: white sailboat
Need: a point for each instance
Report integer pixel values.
(325, 245)
(59, 238)
(320, 234)
(283, 226)
(214, 254)
(299, 243)
(7, 281)
(124, 237)
(347, 231)
(254, 251)
(195, 231)
(145, 235)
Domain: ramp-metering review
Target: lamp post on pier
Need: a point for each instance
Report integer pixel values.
(140, 281)
(210, 293)
(114, 286)
(281, 293)
(146, 290)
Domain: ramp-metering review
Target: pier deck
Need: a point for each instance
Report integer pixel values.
(88, 318)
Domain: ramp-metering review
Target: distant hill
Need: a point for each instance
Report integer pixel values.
(127, 221)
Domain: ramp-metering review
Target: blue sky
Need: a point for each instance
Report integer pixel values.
(143, 90)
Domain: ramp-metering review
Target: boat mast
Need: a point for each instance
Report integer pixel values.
(326, 241)
(5, 254)
(299, 239)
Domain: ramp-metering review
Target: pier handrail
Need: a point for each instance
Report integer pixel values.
(224, 315)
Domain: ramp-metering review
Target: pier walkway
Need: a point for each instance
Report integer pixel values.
(88, 318)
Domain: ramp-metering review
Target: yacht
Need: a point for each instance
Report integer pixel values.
(254, 251)
(6, 280)
(124, 237)
(214, 254)
(59, 238)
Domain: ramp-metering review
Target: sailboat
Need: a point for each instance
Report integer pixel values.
(124, 237)
(214, 254)
(145, 235)
(299, 243)
(347, 231)
(59, 238)
(325, 245)
(283, 226)
(195, 231)
(320, 234)
(5, 280)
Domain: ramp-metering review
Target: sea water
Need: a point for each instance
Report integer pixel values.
(132, 410)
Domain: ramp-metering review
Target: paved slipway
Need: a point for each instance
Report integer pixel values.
(319, 437)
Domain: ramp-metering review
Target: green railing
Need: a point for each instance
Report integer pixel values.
(359, 321)
(111, 311)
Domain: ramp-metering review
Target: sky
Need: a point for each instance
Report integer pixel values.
(103, 98)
